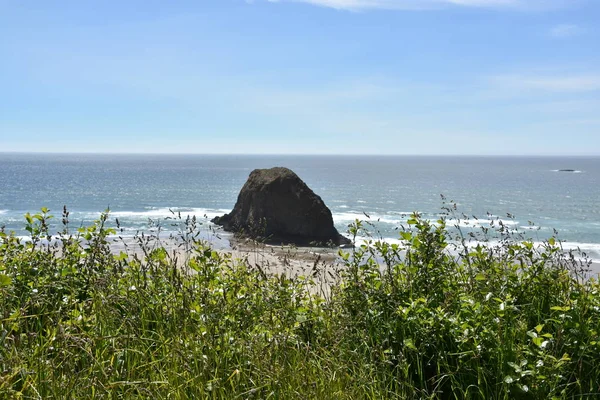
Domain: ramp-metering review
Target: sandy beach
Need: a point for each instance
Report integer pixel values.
(321, 266)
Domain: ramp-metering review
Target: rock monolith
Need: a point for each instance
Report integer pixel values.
(276, 206)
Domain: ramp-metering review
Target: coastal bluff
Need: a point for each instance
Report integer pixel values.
(277, 207)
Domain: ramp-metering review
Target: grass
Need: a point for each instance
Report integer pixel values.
(412, 321)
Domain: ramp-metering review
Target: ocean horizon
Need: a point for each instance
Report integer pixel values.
(531, 195)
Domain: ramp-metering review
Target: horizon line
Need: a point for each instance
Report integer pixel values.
(295, 154)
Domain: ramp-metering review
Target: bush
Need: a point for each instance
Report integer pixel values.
(412, 320)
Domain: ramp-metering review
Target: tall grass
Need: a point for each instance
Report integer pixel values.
(504, 321)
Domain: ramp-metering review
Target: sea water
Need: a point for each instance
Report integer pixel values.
(530, 195)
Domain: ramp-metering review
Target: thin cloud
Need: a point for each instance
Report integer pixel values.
(563, 31)
(561, 84)
(361, 5)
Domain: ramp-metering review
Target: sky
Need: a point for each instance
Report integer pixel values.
(439, 77)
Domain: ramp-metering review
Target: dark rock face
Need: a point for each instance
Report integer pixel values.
(275, 205)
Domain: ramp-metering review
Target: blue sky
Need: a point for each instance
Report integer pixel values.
(301, 76)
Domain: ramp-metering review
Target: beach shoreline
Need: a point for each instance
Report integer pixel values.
(321, 264)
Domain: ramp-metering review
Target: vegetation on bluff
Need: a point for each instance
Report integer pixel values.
(411, 320)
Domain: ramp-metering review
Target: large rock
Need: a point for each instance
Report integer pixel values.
(276, 206)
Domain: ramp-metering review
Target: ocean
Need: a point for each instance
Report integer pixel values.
(529, 194)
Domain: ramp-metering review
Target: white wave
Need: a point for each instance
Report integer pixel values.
(478, 223)
(347, 217)
(361, 240)
(351, 216)
(3, 211)
(169, 212)
(360, 201)
(388, 220)
(397, 218)
(152, 213)
(531, 227)
(402, 214)
(575, 171)
(590, 250)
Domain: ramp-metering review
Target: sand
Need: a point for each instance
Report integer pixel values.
(321, 265)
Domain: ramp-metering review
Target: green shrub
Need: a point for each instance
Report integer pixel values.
(412, 320)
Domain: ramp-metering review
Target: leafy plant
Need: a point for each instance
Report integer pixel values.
(442, 314)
